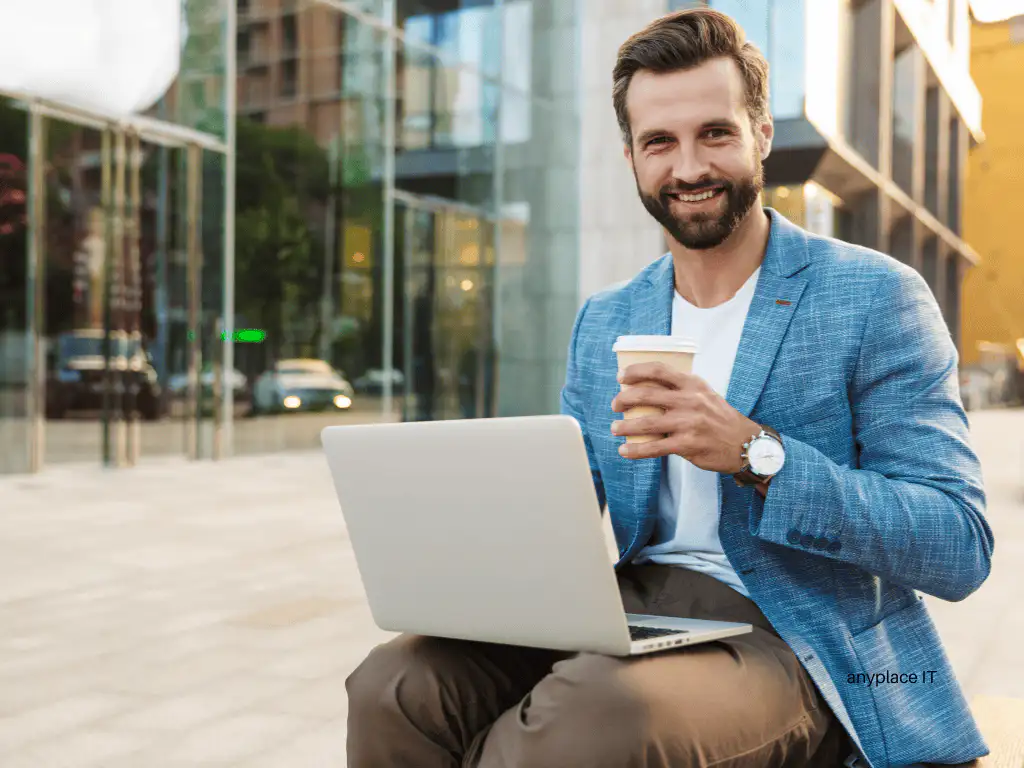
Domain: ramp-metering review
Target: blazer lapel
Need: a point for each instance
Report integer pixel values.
(776, 298)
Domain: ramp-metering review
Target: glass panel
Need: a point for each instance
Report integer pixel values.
(309, 256)
(14, 287)
(197, 98)
(447, 334)
(956, 158)
(84, 366)
(163, 316)
(931, 160)
(904, 117)
(787, 45)
(752, 15)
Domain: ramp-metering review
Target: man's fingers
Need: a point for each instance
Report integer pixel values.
(651, 450)
(655, 372)
(645, 394)
(643, 425)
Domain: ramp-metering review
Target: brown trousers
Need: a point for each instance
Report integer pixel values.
(420, 702)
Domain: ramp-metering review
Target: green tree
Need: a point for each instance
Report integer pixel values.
(282, 188)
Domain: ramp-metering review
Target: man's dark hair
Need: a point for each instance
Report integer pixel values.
(684, 40)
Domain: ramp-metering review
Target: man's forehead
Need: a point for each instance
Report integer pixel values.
(712, 90)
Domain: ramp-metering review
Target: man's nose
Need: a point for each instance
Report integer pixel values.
(690, 166)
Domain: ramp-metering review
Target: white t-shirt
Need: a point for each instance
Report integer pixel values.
(689, 501)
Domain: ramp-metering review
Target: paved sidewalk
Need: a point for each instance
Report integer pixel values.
(208, 614)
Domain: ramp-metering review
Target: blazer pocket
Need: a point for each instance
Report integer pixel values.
(906, 643)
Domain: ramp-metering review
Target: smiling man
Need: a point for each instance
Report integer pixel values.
(809, 477)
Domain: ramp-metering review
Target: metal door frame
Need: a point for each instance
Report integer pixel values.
(121, 192)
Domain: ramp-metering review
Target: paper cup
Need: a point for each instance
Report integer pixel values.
(677, 352)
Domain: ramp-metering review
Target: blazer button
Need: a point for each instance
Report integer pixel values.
(793, 537)
(834, 547)
(806, 540)
(820, 543)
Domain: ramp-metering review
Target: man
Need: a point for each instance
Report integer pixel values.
(836, 361)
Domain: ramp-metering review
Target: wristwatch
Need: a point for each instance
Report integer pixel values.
(763, 457)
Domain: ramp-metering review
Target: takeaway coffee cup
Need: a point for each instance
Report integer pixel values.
(677, 352)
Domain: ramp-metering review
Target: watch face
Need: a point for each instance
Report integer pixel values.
(766, 456)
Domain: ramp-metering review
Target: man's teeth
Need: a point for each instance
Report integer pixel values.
(697, 198)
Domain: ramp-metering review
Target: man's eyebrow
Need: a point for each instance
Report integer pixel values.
(718, 122)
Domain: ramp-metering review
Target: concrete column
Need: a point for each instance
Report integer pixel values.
(539, 294)
(617, 236)
(943, 111)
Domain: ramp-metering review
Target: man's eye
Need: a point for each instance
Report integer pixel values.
(716, 133)
(658, 140)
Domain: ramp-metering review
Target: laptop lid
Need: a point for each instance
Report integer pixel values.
(481, 529)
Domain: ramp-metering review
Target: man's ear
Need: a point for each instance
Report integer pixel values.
(626, 153)
(764, 139)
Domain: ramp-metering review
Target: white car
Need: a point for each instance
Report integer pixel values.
(178, 383)
(301, 385)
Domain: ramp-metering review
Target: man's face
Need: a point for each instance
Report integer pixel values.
(696, 158)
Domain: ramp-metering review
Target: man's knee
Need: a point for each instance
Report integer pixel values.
(405, 668)
(587, 706)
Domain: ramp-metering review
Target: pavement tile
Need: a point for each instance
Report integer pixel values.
(321, 747)
(231, 695)
(236, 737)
(91, 748)
(56, 719)
(322, 699)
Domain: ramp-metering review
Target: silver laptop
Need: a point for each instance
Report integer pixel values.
(489, 530)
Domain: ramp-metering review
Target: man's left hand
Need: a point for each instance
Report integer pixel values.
(697, 424)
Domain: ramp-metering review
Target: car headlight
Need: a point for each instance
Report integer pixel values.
(291, 401)
(342, 401)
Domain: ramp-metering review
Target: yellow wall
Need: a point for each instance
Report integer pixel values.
(993, 292)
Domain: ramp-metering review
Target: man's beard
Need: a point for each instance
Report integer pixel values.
(701, 231)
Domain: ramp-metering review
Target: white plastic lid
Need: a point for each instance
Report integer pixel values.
(654, 344)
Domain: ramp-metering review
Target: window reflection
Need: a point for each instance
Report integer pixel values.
(904, 118)
(776, 27)
(447, 98)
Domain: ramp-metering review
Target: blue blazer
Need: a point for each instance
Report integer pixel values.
(846, 353)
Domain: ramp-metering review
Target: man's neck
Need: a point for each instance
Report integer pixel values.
(712, 277)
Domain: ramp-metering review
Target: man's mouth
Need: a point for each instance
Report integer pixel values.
(696, 197)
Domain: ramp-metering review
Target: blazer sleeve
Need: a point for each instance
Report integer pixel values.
(912, 510)
(572, 402)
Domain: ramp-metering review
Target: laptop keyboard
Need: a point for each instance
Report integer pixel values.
(646, 633)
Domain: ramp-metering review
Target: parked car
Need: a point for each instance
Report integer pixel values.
(301, 385)
(372, 382)
(177, 385)
(76, 379)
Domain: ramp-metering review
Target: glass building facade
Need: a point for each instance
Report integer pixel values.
(327, 219)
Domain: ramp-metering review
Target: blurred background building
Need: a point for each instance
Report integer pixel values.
(410, 199)
(993, 315)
